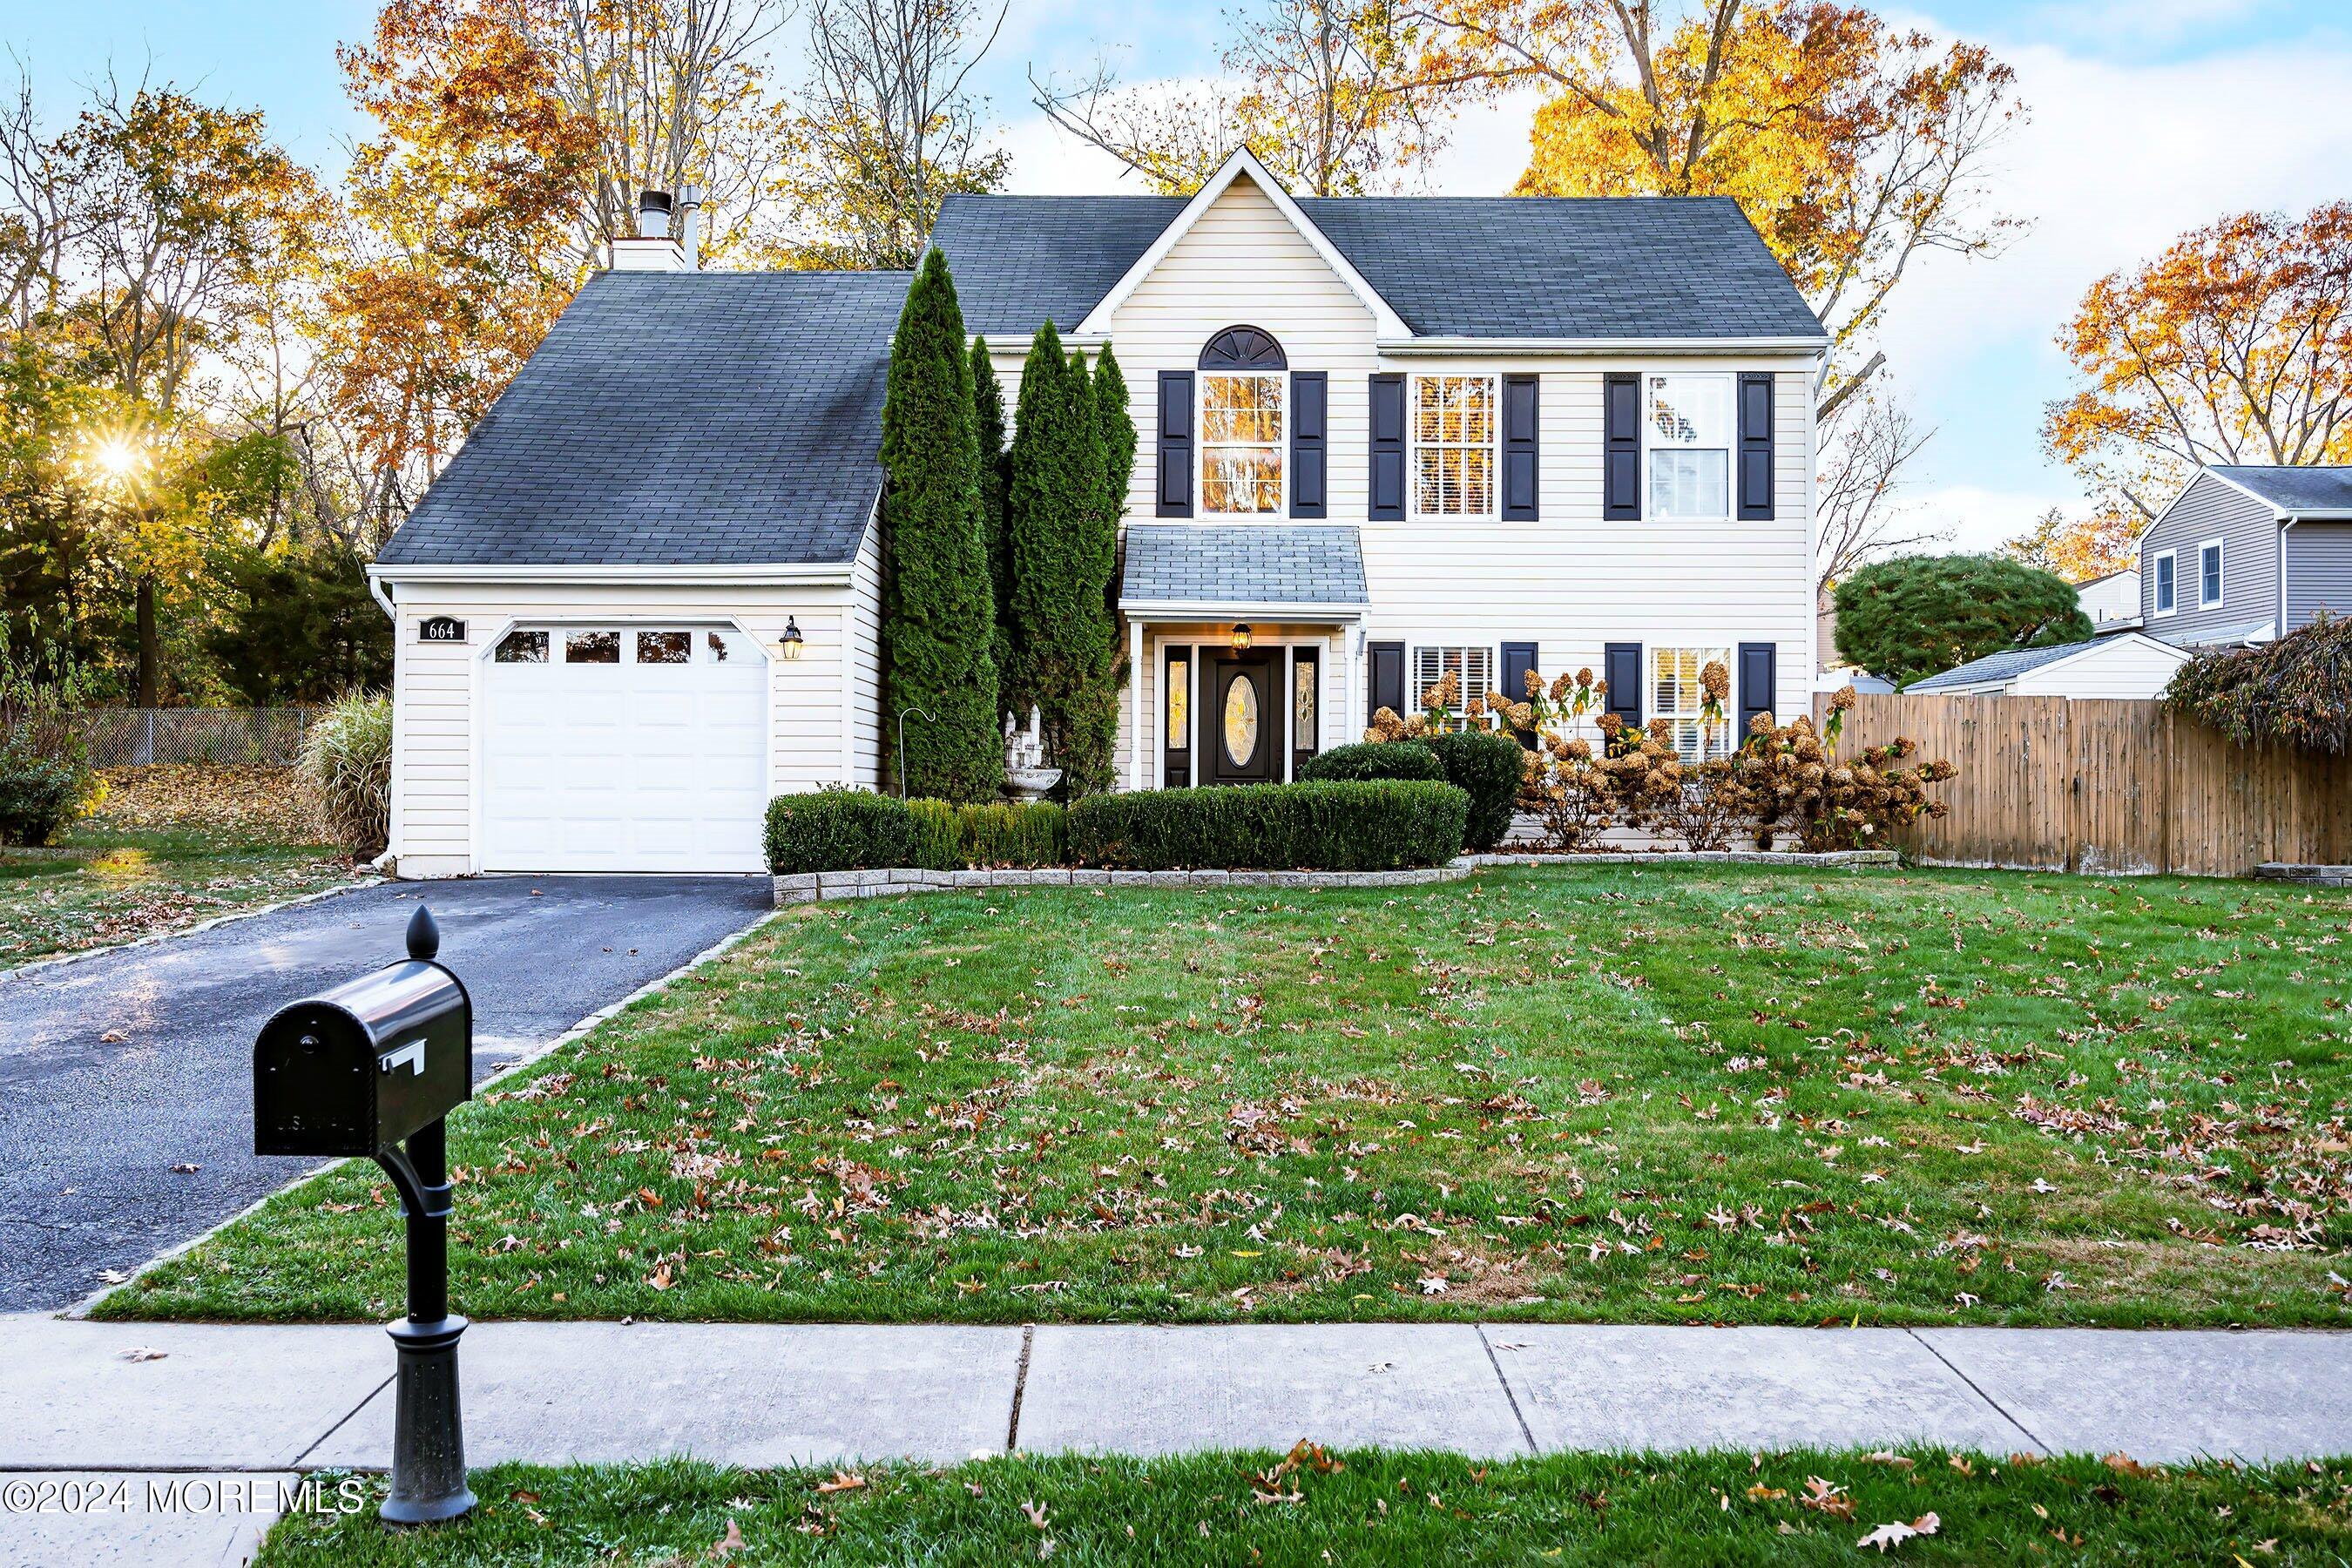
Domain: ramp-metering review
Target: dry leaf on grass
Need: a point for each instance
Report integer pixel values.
(729, 1544)
(1896, 1533)
(843, 1481)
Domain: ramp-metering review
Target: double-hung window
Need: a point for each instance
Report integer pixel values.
(1457, 421)
(2209, 574)
(1241, 444)
(1689, 426)
(2166, 591)
(1677, 697)
(1472, 669)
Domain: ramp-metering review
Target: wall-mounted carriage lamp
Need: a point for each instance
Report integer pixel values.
(792, 639)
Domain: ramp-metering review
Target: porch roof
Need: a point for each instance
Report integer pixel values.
(1303, 570)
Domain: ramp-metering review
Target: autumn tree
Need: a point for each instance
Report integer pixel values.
(889, 129)
(2080, 549)
(1327, 93)
(2235, 345)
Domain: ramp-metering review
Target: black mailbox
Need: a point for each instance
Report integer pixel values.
(365, 1065)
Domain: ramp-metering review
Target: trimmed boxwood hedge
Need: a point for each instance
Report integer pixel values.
(850, 830)
(1381, 824)
(1373, 760)
(839, 830)
(1489, 767)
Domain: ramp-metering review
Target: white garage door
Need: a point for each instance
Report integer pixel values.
(624, 749)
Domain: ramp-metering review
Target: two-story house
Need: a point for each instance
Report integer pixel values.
(1380, 440)
(2247, 553)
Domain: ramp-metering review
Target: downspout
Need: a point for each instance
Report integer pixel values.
(383, 596)
(2284, 523)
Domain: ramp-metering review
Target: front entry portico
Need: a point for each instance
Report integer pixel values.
(1239, 641)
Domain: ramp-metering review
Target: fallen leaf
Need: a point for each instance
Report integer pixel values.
(1895, 1534)
(141, 1352)
(843, 1481)
(729, 1543)
(1037, 1512)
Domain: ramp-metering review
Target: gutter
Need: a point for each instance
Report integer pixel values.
(2284, 523)
(820, 573)
(1627, 348)
(1232, 610)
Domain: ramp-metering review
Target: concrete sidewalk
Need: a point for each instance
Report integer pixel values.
(74, 1396)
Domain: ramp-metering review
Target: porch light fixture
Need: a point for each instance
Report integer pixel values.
(1242, 637)
(791, 637)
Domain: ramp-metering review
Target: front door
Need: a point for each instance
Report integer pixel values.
(1240, 729)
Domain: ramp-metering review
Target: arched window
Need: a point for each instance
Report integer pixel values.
(1243, 390)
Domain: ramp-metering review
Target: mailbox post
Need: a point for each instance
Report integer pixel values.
(369, 1069)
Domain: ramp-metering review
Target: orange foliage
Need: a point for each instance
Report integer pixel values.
(2081, 550)
(2232, 346)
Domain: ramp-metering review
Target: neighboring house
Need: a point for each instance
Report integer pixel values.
(2112, 601)
(1380, 439)
(2245, 554)
(2128, 664)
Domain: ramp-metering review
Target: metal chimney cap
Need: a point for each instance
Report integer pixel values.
(689, 195)
(653, 202)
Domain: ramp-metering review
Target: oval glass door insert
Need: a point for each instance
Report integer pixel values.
(1241, 721)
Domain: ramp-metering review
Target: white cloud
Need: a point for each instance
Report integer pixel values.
(1980, 518)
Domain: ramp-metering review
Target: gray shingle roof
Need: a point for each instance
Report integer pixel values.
(1501, 266)
(2003, 665)
(1243, 564)
(2294, 490)
(715, 417)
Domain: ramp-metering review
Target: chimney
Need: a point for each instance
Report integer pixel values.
(652, 249)
(690, 201)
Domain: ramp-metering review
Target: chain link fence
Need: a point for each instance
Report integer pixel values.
(138, 737)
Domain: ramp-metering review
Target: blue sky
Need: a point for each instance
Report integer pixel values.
(2149, 117)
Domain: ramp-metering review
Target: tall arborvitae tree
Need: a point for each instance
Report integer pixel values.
(1095, 714)
(995, 474)
(938, 613)
(1118, 428)
(1061, 560)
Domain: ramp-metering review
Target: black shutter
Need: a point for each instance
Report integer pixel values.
(1175, 443)
(1755, 447)
(1387, 457)
(1757, 666)
(1620, 447)
(1518, 659)
(1311, 392)
(1622, 668)
(1387, 679)
(1520, 423)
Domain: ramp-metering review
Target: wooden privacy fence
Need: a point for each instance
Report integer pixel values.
(2098, 784)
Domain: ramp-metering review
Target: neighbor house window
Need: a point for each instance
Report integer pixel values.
(1241, 444)
(1472, 668)
(1689, 444)
(1454, 422)
(1676, 696)
(2167, 587)
(2209, 573)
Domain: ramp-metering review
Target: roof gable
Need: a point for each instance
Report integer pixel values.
(1243, 165)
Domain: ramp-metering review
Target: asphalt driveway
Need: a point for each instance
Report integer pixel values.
(118, 1071)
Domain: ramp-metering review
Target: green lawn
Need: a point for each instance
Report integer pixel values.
(1613, 1093)
(110, 882)
(1369, 1508)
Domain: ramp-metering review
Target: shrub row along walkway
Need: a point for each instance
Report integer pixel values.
(118, 1397)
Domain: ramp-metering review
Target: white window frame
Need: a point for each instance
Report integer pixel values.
(1281, 443)
(1485, 653)
(1413, 447)
(2221, 586)
(2155, 577)
(1652, 708)
(1731, 447)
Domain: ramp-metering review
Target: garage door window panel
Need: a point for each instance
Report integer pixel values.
(522, 648)
(591, 648)
(665, 647)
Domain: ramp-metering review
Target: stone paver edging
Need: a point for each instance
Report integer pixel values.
(813, 887)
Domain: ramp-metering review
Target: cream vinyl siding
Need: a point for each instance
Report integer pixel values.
(435, 740)
(865, 691)
(1331, 696)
